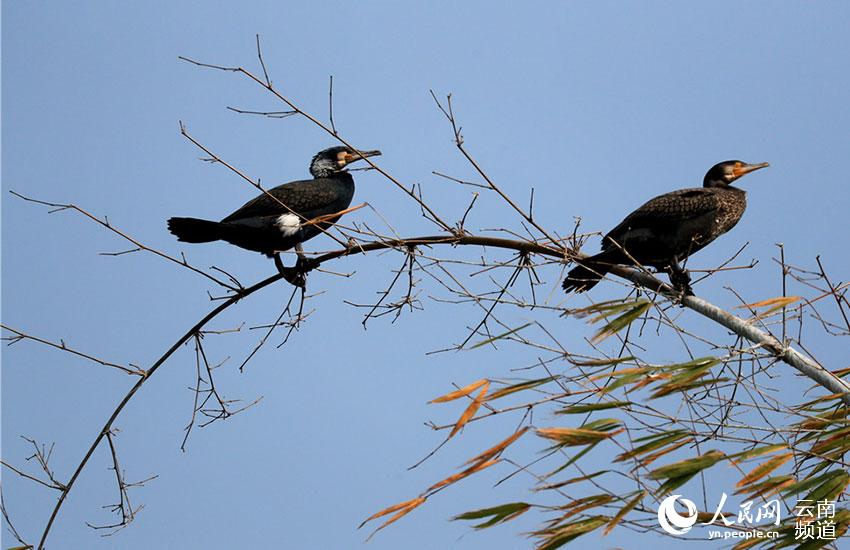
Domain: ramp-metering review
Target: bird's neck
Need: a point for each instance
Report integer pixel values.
(340, 175)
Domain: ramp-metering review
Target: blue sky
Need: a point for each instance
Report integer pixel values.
(598, 106)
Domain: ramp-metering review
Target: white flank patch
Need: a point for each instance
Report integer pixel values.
(289, 224)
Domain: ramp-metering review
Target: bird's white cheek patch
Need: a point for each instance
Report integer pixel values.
(289, 224)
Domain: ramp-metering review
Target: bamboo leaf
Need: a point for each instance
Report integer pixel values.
(570, 481)
(520, 387)
(497, 514)
(694, 364)
(623, 511)
(655, 441)
(764, 469)
(464, 391)
(590, 407)
(758, 451)
(498, 448)
(557, 537)
(806, 484)
(774, 303)
(646, 460)
(575, 458)
(831, 488)
(592, 432)
(689, 465)
(602, 309)
(672, 387)
(838, 439)
(500, 336)
(579, 505)
(404, 507)
(602, 362)
(639, 308)
(471, 409)
(477, 467)
(767, 487)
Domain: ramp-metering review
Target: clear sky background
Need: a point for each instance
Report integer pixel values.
(597, 105)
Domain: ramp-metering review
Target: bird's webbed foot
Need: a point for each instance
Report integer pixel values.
(680, 279)
(295, 275)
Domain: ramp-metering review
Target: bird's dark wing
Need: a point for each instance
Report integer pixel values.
(305, 197)
(665, 211)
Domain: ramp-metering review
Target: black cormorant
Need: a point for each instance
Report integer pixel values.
(669, 228)
(286, 215)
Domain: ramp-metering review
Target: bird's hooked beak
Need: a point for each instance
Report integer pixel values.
(743, 168)
(347, 158)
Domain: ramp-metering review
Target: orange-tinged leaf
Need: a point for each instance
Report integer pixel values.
(767, 487)
(402, 511)
(586, 503)
(412, 503)
(466, 390)
(471, 409)
(477, 467)
(522, 386)
(777, 302)
(758, 451)
(496, 449)
(593, 432)
(622, 513)
(764, 468)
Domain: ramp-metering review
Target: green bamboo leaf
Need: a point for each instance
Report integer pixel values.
(520, 387)
(602, 362)
(557, 537)
(638, 308)
(694, 364)
(841, 521)
(602, 309)
(833, 439)
(570, 481)
(590, 407)
(671, 387)
(501, 336)
(571, 461)
(623, 511)
(688, 466)
(654, 441)
(810, 482)
(623, 377)
(497, 514)
(758, 451)
(831, 488)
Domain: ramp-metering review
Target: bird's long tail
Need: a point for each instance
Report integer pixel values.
(590, 271)
(193, 230)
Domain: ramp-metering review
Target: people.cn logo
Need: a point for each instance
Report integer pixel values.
(671, 521)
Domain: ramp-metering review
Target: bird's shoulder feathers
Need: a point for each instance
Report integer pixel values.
(670, 208)
(302, 197)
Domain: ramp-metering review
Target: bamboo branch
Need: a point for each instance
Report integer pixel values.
(739, 326)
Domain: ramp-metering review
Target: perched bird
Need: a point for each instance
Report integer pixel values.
(669, 228)
(287, 215)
